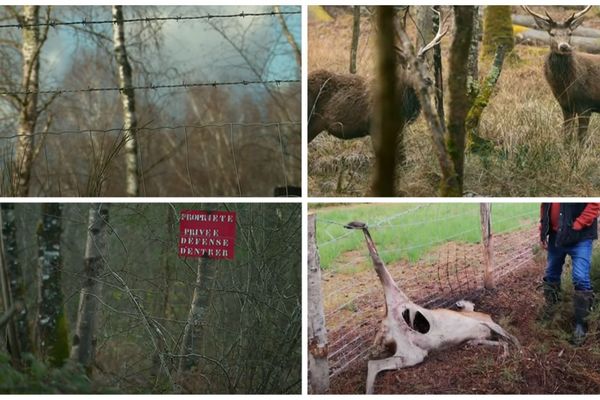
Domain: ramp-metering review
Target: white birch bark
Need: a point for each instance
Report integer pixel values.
(30, 48)
(132, 171)
(318, 367)
(94, 263)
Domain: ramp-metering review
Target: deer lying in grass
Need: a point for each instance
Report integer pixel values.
(574, 77)
(342, 104)
(411, 331)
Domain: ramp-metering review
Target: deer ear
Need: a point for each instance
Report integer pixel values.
(575, 24)
(542, 23)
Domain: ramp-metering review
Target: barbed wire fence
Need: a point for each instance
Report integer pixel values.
(202, 157)
(433, 271)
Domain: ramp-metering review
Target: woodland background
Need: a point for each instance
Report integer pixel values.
(519, 137)
(163, 324)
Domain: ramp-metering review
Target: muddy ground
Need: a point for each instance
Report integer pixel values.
(547, 363)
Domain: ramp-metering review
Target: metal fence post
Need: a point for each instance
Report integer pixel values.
(318, 367)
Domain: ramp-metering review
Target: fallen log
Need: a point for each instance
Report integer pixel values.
(528, 21)
(534, 37)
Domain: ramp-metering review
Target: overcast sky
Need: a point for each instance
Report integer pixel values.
(191, 47)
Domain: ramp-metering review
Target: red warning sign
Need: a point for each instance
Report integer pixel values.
(207, 234)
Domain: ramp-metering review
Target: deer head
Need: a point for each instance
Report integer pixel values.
(402, 60)
(560, 32)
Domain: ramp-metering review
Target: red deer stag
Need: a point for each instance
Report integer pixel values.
(342, 104)
(574, 77)
(411, 331)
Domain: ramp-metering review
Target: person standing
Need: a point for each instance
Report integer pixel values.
(569, 229)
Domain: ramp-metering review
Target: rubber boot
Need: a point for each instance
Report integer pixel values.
(552, 297)
(582, 301)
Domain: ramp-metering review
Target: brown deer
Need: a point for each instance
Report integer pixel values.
(342, 104)
(573, 76)
(411, 331)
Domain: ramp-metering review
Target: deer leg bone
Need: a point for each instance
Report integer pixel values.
(376, 366)
(485, 342)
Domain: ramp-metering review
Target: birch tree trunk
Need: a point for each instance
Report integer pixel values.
(51, 320)
(15, 274)
(30, 51)
(194, 329)
(318, 367)
(94, 263)
(130, 125)
(289, 37)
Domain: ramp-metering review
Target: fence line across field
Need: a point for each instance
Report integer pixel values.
(439, 278)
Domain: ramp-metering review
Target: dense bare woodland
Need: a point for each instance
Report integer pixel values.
(482, 137)
(149, 101)
(101, 302)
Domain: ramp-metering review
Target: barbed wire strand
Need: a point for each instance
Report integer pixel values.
(162, 127)
(151, 86)
(55, 23)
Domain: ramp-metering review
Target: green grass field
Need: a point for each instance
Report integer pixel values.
(408, 231)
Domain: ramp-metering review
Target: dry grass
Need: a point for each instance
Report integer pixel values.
(523, 121)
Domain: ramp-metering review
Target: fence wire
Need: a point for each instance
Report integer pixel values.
(448, 268)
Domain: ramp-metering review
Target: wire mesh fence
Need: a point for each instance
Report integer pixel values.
(433, 251)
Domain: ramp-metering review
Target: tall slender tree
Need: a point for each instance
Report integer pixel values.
(51, 319)
(94, 263)
(15, 274)
(130, 122)
(31, 45)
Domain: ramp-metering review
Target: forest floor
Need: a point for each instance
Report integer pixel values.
(547, 363)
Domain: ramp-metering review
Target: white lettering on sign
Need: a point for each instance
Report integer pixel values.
(207, 218)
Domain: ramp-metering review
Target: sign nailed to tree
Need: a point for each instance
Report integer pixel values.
(207, 234)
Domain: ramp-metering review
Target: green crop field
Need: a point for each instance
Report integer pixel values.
(408, 231)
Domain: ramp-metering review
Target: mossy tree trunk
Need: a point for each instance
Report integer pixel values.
(94, 263)
(387, 121)
(459, 102)
(497, 30)
(15, 276)
(51, 319)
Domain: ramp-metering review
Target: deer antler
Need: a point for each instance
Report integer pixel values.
(438, 36)
(546, 18)
(578, 15)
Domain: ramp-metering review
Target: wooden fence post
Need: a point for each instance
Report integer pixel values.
(488, 247)
(318, 367)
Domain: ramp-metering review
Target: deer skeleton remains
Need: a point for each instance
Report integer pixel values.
(412, 331)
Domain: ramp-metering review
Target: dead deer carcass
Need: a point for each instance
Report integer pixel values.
(573, 76)
(411, 331)
(342, 104)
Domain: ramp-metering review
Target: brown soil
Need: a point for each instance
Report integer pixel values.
(547, 363)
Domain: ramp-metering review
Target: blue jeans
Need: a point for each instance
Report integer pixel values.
(581, 257)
